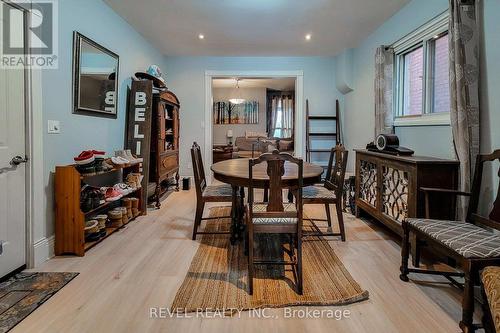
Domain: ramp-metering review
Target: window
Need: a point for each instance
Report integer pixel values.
(422, 81)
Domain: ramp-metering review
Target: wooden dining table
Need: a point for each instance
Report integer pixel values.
(235, 173)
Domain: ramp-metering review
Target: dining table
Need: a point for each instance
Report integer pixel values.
(235, 173)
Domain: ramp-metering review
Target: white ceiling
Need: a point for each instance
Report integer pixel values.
(255, 27)
(277, 83)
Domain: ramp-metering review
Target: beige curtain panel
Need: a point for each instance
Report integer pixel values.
(384, 75)
(464, 88)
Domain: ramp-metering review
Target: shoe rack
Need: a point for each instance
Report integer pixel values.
(70, 219)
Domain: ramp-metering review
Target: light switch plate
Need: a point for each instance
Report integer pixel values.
(54, 126)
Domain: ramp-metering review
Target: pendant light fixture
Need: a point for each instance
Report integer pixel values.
(237, 99)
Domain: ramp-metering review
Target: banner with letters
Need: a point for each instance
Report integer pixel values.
(138, 129)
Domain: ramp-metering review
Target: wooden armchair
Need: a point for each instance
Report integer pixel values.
(473, 243)
(275, 216)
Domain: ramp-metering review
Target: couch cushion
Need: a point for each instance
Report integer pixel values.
(491, 283)
(245, 143)
(467, 239)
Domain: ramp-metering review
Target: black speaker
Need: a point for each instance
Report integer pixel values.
(186, 183)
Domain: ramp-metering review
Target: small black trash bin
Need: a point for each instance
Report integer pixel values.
(186, 183)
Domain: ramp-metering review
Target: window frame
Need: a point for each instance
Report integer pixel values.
(422, 37)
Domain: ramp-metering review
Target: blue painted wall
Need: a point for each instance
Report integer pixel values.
(433, 141)
(186, 78)
(94, 19)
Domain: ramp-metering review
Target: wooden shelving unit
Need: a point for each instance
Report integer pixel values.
(70, 219)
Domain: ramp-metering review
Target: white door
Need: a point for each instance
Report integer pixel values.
(12, 144)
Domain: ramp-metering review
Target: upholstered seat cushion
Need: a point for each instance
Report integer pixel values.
(467, 239)
(262, 207)
(491, 283)
(317, 192)
(222, 190)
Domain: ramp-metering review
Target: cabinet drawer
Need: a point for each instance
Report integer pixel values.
(168, 164)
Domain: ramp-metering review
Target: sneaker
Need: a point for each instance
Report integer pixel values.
(123, 188)
(118, 160)
(85, 158)
(112, 194)
(132, 158)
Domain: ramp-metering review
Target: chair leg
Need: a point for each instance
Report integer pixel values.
(300, 286)
(328, 215)
(197, 219)
(405, 252)
(340, 217)
(466, 324)
(250, 260)
(266, 195)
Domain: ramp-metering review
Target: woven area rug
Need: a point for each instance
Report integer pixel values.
(23, 293)
(217, 277)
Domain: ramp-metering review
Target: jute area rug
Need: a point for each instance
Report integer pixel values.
(217, 277)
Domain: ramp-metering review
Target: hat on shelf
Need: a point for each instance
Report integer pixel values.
(154, 74)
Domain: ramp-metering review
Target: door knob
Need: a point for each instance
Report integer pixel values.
(18, 160)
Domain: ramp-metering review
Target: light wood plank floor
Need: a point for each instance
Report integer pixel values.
(143, 265)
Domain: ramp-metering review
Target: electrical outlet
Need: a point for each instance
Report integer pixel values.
(53, 126)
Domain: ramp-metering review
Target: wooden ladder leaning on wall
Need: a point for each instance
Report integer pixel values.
(336, 134)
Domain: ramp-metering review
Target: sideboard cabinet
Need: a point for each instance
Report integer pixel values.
(387, 186)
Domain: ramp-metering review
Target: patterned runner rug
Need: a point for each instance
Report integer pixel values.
(25, 292)
(217, 277)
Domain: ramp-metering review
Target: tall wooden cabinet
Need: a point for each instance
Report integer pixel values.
(164, 151)
(387, 186)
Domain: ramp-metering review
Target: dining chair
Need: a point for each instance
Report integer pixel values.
(207, 193)
(275, 216)
(331, 192)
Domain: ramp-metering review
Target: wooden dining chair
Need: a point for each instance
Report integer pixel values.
(275, 216)
(206, 193)
(331, 192)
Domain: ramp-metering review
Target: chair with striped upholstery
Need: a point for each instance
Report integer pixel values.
(207, 193)
(473, 243)
(331, 192)
(275, 216)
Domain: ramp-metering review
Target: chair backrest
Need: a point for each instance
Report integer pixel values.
(335, 174)
(198, 170)
(275, 171)
(493, 219)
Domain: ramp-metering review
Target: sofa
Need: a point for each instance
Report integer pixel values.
(244, 146)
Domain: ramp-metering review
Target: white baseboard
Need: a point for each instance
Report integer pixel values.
(43, 250)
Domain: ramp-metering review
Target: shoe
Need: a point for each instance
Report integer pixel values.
(99, 160)
(118, 160)
(123, 188)
(106, 166)
(85, 158)
(132, 158)
(85, 163)
(112, 194)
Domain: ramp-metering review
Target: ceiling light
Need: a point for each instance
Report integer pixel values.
(308, 37)
(237, 99)
(201, 36)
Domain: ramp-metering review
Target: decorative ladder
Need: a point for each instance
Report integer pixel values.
(335, 134)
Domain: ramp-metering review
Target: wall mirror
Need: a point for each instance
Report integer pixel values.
(95, 78)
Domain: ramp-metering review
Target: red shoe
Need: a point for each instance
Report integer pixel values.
(85, 157)
(112, 195)
(99, 153)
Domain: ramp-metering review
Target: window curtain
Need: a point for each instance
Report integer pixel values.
(464, 89)
(280, 115)
(384, 73)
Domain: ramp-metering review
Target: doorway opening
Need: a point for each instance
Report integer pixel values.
(252, 112)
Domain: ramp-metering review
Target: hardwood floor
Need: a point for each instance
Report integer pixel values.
(143, 265)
